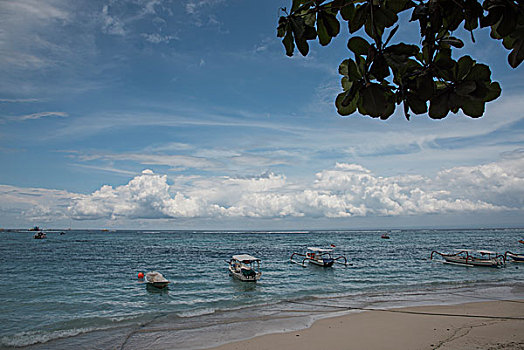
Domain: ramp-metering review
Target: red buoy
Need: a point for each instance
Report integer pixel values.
(140, 275)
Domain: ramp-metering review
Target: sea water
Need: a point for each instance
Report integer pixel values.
(80, 290)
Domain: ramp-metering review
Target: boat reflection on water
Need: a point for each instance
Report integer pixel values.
(241, 287)
(154, 290)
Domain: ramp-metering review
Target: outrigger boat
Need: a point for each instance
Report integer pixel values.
(156, 279)
(469, 257)
(319, 256)
(515, 257)
(245, 267)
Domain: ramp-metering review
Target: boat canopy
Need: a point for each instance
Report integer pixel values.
(475, 251)
(319, 250)
(486, 252)
(245, 258)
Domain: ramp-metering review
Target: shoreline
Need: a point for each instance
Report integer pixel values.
(475, 325)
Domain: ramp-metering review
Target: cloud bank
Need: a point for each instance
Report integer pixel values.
(346, 190)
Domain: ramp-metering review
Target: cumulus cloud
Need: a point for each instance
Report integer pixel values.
(347, 190)
(34, 204)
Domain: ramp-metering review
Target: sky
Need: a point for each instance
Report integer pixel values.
(187, 114)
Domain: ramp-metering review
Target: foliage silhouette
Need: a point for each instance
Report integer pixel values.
(381, 75)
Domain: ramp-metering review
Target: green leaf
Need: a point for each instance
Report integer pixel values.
(282, 27)
(494, 15)
(403, 49)
(507, 24)
(455, 101)
(493, 92)
(288, 43)
(348, 108)
(463, 67)
(374, 100)
(346, 83)
(302, 45)
(416, 104)
(358, 45)
(332, 24)
(479, 72)
(298, 26)
(385, 18)
(343, 68)
(480, 92)
(323, 36)
(359, 19)
(517, 55)
(361, 65)
(398, 5)
(472, 108)
(438, 106)
(379, 68)
(297, 4)
(390, 106)
(455, 42)
(347, 12)
(425, 86)
(465, 88)
(354, 72)
(443, 59)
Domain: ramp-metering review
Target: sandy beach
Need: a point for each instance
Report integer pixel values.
(427, 327)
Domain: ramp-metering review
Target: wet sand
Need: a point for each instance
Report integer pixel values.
(426, 327)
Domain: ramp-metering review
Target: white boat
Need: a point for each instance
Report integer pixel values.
(319, 256)
(515, 257)
(156, 279)
(245, 267)
(470, 257)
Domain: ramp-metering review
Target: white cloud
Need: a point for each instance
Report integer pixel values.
(42, 115)
(34, 204)
(195, 6)
(347, 190)
(157, 38)
(175, 161)
(111, 24)
(19, 100)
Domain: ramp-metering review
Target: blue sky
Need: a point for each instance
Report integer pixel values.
(188, 114)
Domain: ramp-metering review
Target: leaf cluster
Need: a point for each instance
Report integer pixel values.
(423, 78)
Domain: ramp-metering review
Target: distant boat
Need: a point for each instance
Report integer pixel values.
(156, 279)
(521, 241)
(469, 257)
(244, 267)
(319, 256)
(36, 228)
(40, 235)
(385, 236)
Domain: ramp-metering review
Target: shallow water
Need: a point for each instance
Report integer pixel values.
(81, 289)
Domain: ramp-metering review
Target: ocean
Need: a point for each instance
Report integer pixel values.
(80, 290)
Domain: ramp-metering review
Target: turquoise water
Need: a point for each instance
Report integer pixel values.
(70, 290)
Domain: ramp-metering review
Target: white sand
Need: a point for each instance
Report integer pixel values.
(399, 330)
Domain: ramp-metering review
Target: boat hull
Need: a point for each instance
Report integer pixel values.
(244, 278)
(323, 262)
(159, 285)
(472, 262)
(517, 257)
